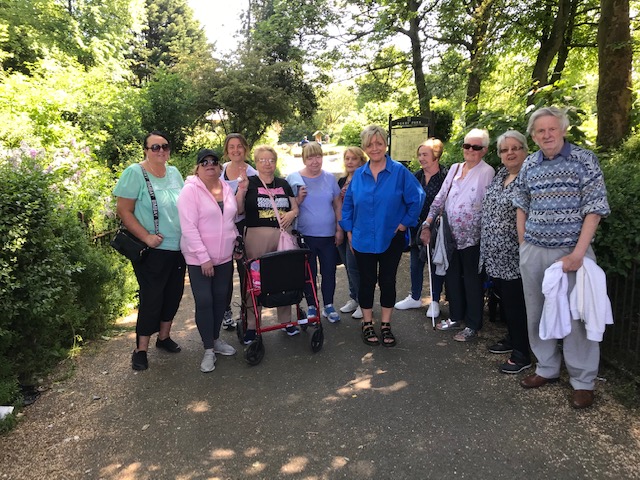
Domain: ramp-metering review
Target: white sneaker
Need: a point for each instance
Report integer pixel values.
(357, 313)
(208, 361)
(223, 348)
(408, 303)
(350, 306)
(434, 310)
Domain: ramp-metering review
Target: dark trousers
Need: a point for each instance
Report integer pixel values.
(240, 268)
(210, 295)
(161, 281)
(323, 249)
(380, 268)
(513, 306)
(464, 287)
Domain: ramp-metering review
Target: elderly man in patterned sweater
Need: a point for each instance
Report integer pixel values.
(560, 200)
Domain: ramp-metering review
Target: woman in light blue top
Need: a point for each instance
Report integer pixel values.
(161, 275)
(383, 200)
(318, 198)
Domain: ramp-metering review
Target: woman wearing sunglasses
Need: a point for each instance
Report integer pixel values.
(161, 275)
(208, 208)
(460, 197)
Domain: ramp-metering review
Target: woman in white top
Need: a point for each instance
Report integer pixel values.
(236, 151)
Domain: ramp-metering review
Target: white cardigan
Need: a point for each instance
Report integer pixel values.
(588, 302)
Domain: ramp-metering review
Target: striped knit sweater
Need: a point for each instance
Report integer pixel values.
(557, 194)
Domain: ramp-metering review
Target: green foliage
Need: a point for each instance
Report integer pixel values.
(55, 286)
(169, 36)
(617, 242)
(169, 106)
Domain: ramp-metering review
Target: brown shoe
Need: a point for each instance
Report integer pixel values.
(582, 398)
(536, 381)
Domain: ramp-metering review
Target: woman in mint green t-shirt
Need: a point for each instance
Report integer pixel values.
(161, 275)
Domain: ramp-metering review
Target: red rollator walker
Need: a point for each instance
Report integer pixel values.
(281, 282)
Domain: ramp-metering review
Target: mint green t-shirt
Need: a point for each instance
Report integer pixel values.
(133, 186)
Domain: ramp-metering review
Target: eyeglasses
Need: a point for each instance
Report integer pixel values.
(475, 148)
(512, 150)
(209, 161)
(156, 148)
(271, 161)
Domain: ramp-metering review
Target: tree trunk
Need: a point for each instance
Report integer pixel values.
(550, 43)
(614, 87)
(477, 53)
(417, 60)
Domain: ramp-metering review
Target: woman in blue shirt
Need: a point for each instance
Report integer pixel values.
(383, 200)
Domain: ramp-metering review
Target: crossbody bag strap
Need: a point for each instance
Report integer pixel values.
(154, 203)
(451, 184)
(273, 202)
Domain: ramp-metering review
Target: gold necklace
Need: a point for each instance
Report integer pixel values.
(154, 173)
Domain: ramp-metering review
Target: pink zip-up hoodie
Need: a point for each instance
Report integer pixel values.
(207, 232)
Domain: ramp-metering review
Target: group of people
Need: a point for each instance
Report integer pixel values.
(509, 226)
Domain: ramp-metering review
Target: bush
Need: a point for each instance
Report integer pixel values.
(56, 287)
(617, 242)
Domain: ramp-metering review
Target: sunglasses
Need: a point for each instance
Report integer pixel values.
(156, 148)
(209, 161)
(475, 148)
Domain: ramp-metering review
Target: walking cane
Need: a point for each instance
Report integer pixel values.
(433, 318)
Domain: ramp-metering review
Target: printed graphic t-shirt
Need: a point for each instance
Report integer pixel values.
(257, 205)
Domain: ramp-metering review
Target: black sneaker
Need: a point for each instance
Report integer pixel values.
(511, 367)
(502, 346)
(168, 345)
(139, 360)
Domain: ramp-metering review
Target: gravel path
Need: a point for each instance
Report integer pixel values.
(429, 408)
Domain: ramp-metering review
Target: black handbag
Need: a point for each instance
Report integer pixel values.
(127, 243)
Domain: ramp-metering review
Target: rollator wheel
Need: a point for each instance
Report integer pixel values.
(317, 339)
(254, 353)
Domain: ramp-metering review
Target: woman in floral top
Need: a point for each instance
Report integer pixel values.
(499, 250)
(461, 198)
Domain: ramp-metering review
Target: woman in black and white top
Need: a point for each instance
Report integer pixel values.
(262, 228)
(499, 251)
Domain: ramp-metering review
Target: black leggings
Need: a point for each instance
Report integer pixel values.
(385, 277)
(161, 281)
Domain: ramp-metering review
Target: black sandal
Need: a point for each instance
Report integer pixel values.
(385, 332)
(369, 336)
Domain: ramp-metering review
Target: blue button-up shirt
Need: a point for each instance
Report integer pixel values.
(373, 209)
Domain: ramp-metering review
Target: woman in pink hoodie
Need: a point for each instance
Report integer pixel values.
(207, 207)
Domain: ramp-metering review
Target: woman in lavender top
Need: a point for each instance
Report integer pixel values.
(461, 199)
(318, 198)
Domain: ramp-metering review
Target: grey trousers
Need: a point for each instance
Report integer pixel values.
(581, 356)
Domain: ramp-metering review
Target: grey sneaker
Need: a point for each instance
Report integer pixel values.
(223, 348)
(465, 335)
(208, 362)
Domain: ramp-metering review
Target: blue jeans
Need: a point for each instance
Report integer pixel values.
(324, 250)
(350, 264)
(417, 277)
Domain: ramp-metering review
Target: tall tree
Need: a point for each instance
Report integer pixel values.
(375, 23)
(170, 35)
(267, 81)
(614, 87)
(91, 32)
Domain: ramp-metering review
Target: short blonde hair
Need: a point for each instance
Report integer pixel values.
(436, 146)
(371, 131)
(311, 149)
(357, 151)
(264, 148)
